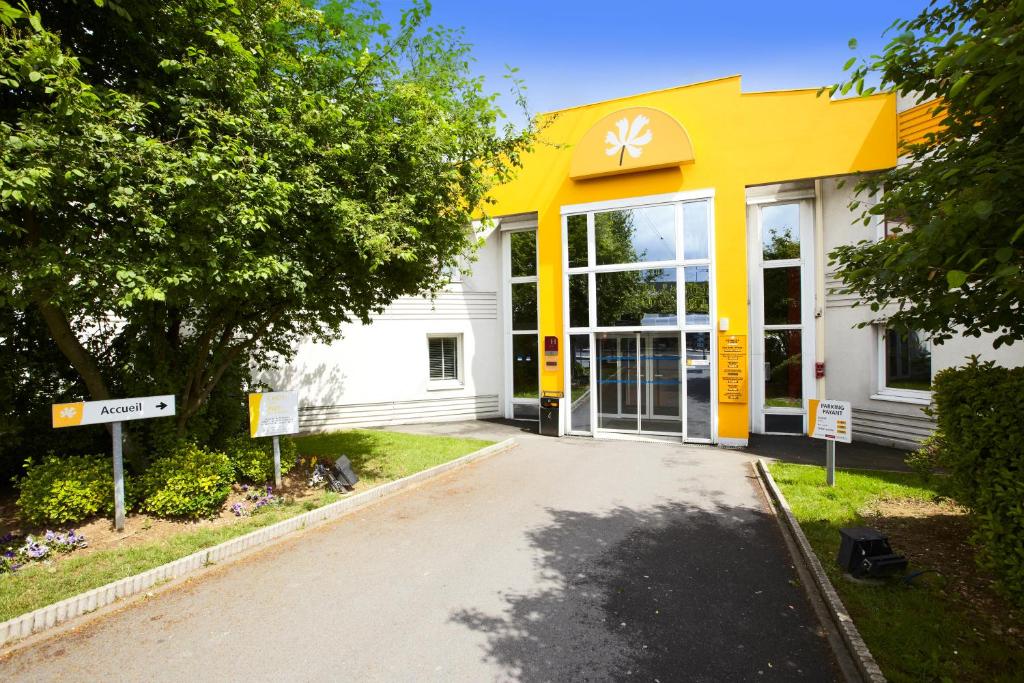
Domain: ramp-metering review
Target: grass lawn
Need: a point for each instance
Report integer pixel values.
(377, 456)
(948, 627)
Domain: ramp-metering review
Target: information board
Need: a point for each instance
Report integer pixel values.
(831, 420)
(273, 413)
(732, 368)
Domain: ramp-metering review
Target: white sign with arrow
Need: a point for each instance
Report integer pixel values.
(115, 412)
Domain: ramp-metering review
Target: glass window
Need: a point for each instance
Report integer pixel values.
(524, 306)
(908, 361)
(443, 357)
(523, 246)
(579, 378)
(783, 371)
(780, 231)
(782, 296)
(577, 240)
(698, 296)
(695, 230)
(526, 411)
(698, 385)
(579, 301)
(525, 365)
(635, 235)
(636, 297)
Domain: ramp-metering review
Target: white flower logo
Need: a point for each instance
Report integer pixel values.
(628, 140)
(68, 412)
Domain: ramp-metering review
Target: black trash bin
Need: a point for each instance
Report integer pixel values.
(549, 416)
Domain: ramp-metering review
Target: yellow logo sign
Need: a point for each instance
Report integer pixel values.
(67, 414)
(635, 139)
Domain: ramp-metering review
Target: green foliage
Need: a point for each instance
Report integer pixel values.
(189, 482)
(957, 268)
(59, 490)
(979, 409)
(928, 460)
(230, 177)
(253, 459)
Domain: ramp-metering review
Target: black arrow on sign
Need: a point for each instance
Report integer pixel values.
(161, 405)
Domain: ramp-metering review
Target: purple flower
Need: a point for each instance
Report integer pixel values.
(49, 535)
(269, 489)
(245, 487)
(9, 553)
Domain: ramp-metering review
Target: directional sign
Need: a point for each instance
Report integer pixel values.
(273, 413)
(117, 410)
(830, 420)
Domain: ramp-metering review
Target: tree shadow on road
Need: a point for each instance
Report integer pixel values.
(673, 592)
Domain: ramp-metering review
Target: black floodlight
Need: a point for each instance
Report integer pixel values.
(866, 553)
(343, 471)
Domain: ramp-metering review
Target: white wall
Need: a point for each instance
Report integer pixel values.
(377, 374)
(851, 354)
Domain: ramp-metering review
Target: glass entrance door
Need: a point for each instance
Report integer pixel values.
(638, 383)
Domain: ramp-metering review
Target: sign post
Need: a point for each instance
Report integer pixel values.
(832, 421)
(274, 413)
(113, 412)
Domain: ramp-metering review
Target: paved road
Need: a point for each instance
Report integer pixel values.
(560, 560)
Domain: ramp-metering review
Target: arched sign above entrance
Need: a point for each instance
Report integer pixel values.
(634, 139)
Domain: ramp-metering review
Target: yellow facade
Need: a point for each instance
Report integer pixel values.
(738, 140)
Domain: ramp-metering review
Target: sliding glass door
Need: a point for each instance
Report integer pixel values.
(639, 383)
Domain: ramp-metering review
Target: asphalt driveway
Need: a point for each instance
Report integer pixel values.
(568, 559)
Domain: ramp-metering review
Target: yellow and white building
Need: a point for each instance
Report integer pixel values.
(660, 264)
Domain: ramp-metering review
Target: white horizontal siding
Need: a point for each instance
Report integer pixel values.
(447, 306)
(890, 429)
(834, 298)
(321, 418)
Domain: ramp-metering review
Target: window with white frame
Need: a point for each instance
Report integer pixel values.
(904, 364)
(443, 353)
(521, 325)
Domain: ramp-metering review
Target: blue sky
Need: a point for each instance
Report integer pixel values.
(571, 52)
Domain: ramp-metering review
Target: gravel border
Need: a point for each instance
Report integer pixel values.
(50, 616)
(855, 646)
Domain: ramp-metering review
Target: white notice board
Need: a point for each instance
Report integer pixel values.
(831, 420)
(273, 413)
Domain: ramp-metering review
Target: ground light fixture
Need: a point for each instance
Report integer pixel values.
(866, 553)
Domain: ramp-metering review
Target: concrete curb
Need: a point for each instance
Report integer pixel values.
(58, 613)
(855, 645)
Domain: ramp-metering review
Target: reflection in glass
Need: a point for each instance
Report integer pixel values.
(908, 361)
(698, 385)
(526, 411)
(698, 296)
(783, 379)
(577, 240)
(780, 231)
(579, 381)
(525, 365)
(617, 380)
(636, 297)
(524, 306)
(782, 296)
(579, 301)
(635, 235)
(524, 253)
(660, 383)
(695, 230)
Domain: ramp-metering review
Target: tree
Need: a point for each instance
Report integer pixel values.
(191, 187)
(953, 261)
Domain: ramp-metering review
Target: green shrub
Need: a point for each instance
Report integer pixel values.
(980, 411)
(66, 489)
(928, 460)
(189, 482)
(253, 459)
